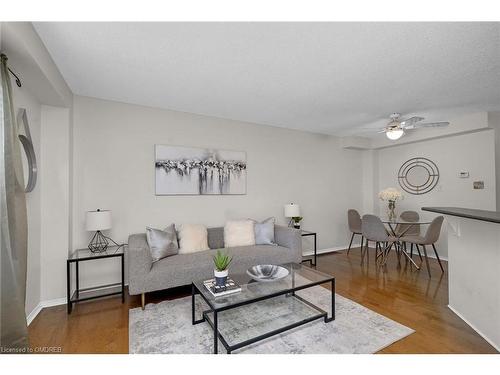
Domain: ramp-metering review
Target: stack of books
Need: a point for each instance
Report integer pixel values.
(230, 287)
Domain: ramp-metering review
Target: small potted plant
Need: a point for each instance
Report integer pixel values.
(296, 221)
(221, 263)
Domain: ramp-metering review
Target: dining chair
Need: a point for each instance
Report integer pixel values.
(430, 238)
(374, 230)
(354, 223)
(409, 229)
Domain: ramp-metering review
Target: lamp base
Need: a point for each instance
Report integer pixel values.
(98, 243)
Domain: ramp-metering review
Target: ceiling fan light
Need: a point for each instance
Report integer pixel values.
(394, 134)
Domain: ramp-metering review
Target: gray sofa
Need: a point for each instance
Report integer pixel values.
(181, 269)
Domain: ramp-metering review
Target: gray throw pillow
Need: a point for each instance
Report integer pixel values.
(264, 232)
(162, 243)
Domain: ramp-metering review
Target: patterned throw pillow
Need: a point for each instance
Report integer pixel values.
(162, 243)
(264, 232)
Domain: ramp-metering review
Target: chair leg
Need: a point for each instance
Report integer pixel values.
(437, 256)
(363, 250)
(350, 243)
(398, 252)
(419, 254)
(426, 261)
(143, 300)
(378, 251)
(387, 249)
(411, 251)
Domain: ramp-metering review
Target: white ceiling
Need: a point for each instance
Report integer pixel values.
(329, 78)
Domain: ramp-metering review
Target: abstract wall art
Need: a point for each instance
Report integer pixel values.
(199, 171)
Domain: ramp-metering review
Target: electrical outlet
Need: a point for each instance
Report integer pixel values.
(463, 175)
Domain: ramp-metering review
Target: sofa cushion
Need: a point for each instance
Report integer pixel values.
(192, 238)
(239, 233)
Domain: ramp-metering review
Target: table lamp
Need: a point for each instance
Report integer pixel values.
(98, 221)
(292, 210)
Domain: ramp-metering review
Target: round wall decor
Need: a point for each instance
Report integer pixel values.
(418, 176)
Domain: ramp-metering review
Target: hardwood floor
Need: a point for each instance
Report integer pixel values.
(402, 294)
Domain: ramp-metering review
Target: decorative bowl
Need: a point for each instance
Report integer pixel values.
(267, 272)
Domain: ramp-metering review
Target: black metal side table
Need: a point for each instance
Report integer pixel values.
(86, 294)
(306, 233)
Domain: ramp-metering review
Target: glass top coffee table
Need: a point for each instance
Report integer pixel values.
(261, 309)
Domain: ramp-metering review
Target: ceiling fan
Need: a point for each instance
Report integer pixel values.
(395, 129)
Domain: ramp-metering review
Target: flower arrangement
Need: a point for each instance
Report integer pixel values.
(390, 194)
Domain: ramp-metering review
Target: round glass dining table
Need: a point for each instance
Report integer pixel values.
(403, 226)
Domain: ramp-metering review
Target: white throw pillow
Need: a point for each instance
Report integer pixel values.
(239, 233)
(192, 238)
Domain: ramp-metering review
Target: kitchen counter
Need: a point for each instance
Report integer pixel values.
(469, 213)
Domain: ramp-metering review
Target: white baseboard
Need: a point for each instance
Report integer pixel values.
(48, 303)
(330, 249)
(497, 347)
(344, 247)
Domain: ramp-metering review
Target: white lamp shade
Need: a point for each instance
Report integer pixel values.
(394, 134)
(292, 210)
(98, 220)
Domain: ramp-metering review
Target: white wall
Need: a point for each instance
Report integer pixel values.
(55, 201)
(474, 153)
(114, 169)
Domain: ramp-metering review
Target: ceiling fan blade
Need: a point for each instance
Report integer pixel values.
(432, 124)
(411, 121)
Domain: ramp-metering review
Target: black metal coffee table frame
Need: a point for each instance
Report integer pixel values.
(291, 292)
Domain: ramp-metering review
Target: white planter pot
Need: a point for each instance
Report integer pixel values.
(220, 277)
(221, 273)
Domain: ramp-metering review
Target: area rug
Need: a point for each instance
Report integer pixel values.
(166, 328)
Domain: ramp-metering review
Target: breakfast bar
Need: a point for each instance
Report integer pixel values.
(474, 268)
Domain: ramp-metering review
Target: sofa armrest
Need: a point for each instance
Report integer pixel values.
(289, 237)
(139, 262)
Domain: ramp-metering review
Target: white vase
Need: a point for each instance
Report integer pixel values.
(220, 277)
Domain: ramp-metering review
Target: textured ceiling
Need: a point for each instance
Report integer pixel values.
(329, 78)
